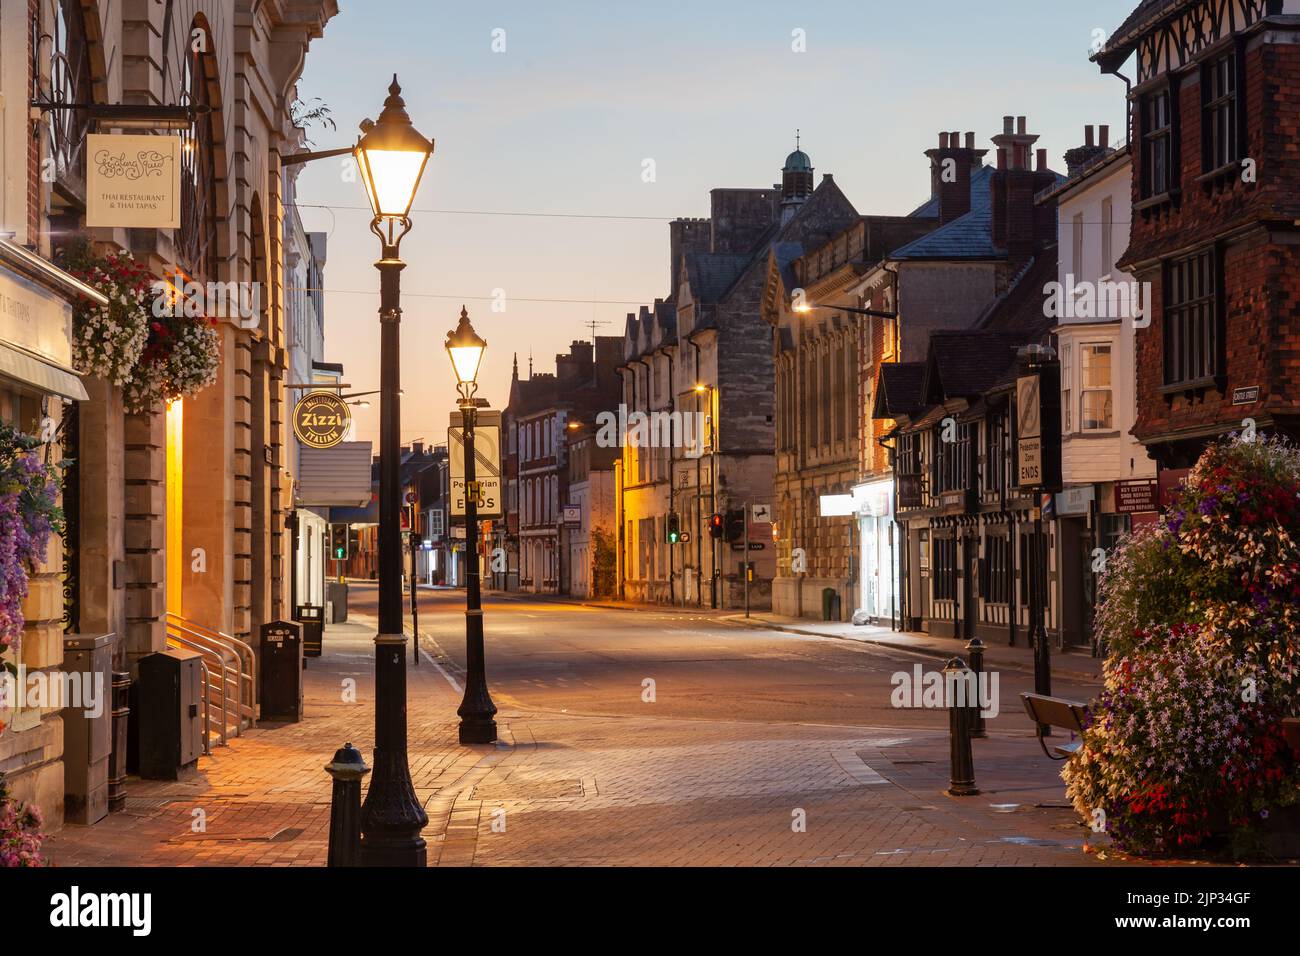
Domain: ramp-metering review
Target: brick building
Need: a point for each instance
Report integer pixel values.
(1215, 116)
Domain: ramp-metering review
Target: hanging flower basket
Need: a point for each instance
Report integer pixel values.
(180, 359)
(107, 340)
(144, 344)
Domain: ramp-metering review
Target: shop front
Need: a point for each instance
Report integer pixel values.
(879, 552)
(38, 391)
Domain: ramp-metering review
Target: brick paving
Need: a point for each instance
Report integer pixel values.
(573, 789)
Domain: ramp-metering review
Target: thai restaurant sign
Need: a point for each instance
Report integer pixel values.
(133, 181)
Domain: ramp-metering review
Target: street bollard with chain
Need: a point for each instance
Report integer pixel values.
(975, 651)
(347, 769)
(962, 774)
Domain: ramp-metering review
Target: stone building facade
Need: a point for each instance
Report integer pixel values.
(179, 509)
(705, 354)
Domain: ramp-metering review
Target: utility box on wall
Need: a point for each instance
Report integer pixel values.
(169, 701)
(87, 726)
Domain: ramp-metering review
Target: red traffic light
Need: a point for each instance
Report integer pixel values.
(717, 525)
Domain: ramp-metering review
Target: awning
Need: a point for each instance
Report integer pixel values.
(40, 373)
(334, 477)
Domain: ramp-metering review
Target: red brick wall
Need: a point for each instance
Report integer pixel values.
(1261, 278)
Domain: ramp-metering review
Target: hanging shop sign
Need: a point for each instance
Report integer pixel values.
(133, 181)
(321, 419)
(1136, 496)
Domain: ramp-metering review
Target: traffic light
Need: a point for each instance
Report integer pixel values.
(354, 540)
(674, 529)
(716, 524)
(339, 541)
(736, 525)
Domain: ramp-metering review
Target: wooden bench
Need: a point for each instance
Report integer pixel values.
(1071, 715)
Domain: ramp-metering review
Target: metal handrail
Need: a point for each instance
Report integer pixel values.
(224, 645)
(240, 647)
(207, 708)
(207, 684)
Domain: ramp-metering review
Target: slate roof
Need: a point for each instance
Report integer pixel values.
(711, 274)
(964, 363)
(966, 237)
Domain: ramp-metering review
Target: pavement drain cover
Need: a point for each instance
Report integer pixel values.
(145, 806)
(529, 790)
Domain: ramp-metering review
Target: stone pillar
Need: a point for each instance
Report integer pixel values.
(242, 511)
(101, 526)
(208, 483)
(261, 502)
(145, 531)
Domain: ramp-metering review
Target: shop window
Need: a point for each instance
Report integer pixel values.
(995, 582)
(945, 569)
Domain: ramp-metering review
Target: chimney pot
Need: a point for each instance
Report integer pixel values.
(943, 140)
(1105, 136)
(970, 140)
(1021, 125)
(1042, 160)
(954, 140)
(1088, 136)
(1008, 124)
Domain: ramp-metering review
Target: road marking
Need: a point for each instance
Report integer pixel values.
(854, 766)
(451, 680)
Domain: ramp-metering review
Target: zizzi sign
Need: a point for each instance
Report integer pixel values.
(133, 181)
(321, 419)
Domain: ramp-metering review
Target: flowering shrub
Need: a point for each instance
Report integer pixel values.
(1184, 742)
(1201, 618)
(1226, 558)
(29, 512)
(150, 357)
(20, 833)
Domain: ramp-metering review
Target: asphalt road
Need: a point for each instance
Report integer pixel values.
(561, 657)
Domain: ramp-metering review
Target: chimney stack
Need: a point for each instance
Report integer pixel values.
(1019, 225)
(1081, 157)
(951, 165)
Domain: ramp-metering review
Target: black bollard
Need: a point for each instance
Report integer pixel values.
(347, 770)
(975, 652)
(962, 774)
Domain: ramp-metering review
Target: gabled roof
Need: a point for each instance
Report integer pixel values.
(1120, 42)
(963, 363)
(899, 392)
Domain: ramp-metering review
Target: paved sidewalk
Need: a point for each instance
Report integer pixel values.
(1070, 665)
(574, 789)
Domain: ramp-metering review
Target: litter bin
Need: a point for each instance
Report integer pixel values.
(281, 673)
(336, 595)
(87, 726)
(830, 604)
(312, 619)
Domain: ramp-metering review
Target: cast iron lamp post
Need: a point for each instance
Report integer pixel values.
(476, 710)
(391, 156)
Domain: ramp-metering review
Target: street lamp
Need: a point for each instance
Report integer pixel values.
(465, 348)
(391, 156)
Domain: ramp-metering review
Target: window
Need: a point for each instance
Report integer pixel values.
(1033, 544)
(945, 569)
(1094, 387)
(1219, 140)
(1191, 322)
(952, 459)
(1111, 527)
(1107, 236)
(1157, 145)
(995, 582)
(1067, 391)
(996, 453)
(1076, 251)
